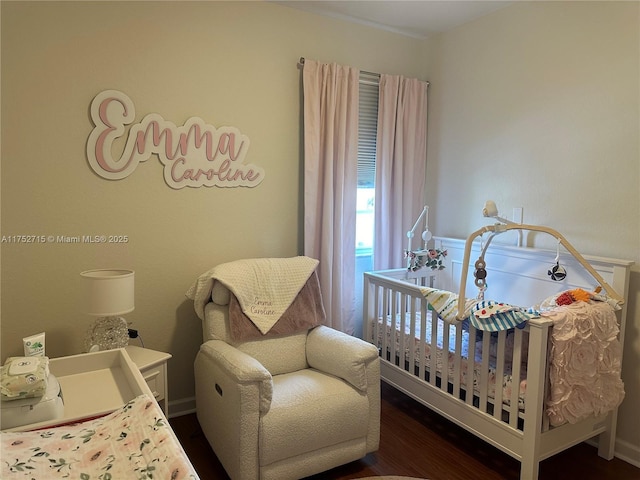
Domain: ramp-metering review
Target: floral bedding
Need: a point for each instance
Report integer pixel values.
(134, 442)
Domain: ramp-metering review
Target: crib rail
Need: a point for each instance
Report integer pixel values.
(485, 372)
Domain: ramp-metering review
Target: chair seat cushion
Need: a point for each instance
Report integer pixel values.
(310, 410)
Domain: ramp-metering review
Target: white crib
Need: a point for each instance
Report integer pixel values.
(510, 417)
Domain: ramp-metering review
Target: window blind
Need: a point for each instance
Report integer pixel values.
(367, 129)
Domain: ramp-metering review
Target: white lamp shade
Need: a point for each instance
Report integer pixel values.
(108, 292)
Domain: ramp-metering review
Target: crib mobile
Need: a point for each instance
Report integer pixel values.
(557, 272)
(426, 257)
(490, 315)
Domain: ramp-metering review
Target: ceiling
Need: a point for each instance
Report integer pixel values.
(415, 18)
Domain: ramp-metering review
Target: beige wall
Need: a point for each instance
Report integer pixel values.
(537, 106)
(229, 63)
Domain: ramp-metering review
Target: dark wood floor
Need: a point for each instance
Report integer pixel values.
(417, 442)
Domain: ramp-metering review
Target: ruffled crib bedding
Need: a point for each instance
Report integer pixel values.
(133, 442)
(584, 359)
(585, 362)
(414, 342)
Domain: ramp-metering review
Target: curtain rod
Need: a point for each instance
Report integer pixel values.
(301, 64)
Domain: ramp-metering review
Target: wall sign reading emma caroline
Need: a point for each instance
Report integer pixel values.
(194, 155)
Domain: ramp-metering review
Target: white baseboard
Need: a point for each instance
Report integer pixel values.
(628, 452)
(183, 406)
(625, 451)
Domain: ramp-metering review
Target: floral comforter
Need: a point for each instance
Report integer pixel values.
(134, 442)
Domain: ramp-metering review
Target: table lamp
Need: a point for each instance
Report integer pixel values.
(107, 294)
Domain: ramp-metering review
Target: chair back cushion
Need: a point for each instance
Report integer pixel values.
(278, 354)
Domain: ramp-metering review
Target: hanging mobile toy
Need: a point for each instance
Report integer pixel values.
(480, 273)
(557, 272)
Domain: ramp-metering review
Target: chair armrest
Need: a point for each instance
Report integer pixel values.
(243, 368)
(342, 355)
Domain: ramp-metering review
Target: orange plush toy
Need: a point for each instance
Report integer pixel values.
(576, 295)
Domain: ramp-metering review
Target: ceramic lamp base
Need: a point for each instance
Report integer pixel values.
(107, 333)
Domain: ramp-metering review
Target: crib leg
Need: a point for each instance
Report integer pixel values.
(529, 468)
(607, 439)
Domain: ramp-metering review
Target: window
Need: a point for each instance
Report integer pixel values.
(367, 131)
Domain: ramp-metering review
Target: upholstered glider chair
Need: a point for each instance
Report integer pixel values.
(296, 400)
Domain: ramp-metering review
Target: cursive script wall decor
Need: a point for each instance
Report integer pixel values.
(194, 155)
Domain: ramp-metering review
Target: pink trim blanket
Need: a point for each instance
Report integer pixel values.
(305, 312)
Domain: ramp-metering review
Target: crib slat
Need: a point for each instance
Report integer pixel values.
(393, 327)
(446, 332)
(470, 364)
(386, 318)
(423, 341)
(411, 337)
(500, 360)
(484, 371)
(515, 377)
(433, 349)
(402, 336)
(457, 360)
(375, 327)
